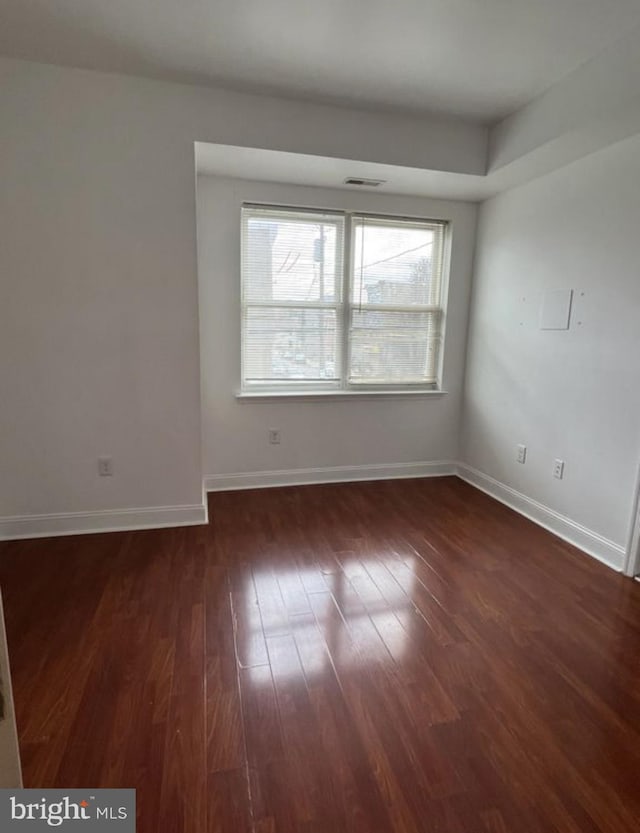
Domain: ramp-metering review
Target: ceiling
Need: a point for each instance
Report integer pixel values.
(471, 59)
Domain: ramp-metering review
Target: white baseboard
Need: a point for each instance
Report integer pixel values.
(331, 474)
(601, 548)
(105, 520)
(155, 517)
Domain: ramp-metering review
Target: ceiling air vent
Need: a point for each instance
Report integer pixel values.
(369, 183)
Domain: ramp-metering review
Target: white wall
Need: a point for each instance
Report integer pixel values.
(98, 296)
(316, 434)
(99, 350)
(570, 394)
(99, 340)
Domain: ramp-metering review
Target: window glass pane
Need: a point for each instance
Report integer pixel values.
(295, 344)
(292, 258)
(396, 264)
(394, 347)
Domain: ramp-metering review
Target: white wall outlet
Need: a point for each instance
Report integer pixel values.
(105, 466)
(274, 436)
(521, 453)
(558, 469)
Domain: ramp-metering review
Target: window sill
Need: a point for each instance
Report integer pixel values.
(322, 396)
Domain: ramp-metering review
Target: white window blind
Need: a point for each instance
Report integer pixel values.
(292, 269)
(310, 323)
(395, 303)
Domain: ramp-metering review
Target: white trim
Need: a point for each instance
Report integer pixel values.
(601, 548)
(157, 517)
(632, 558)
(330, 474)
(346, 223)
(271, 395)
(104, 520)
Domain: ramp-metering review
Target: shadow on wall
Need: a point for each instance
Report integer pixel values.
(486, 445)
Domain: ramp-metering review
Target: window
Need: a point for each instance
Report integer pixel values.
(337, 301)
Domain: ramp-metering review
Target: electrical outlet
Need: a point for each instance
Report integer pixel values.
(105, 466)
(521, 453)
(558, 469)
(274, 436)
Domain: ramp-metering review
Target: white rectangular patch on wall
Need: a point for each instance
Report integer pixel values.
(555, 312)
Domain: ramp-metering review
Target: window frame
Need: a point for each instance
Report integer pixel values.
(314, 389)
(303, 386)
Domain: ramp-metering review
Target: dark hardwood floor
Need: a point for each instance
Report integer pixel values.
(393, 656)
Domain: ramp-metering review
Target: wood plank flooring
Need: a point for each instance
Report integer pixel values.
(391, 657)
